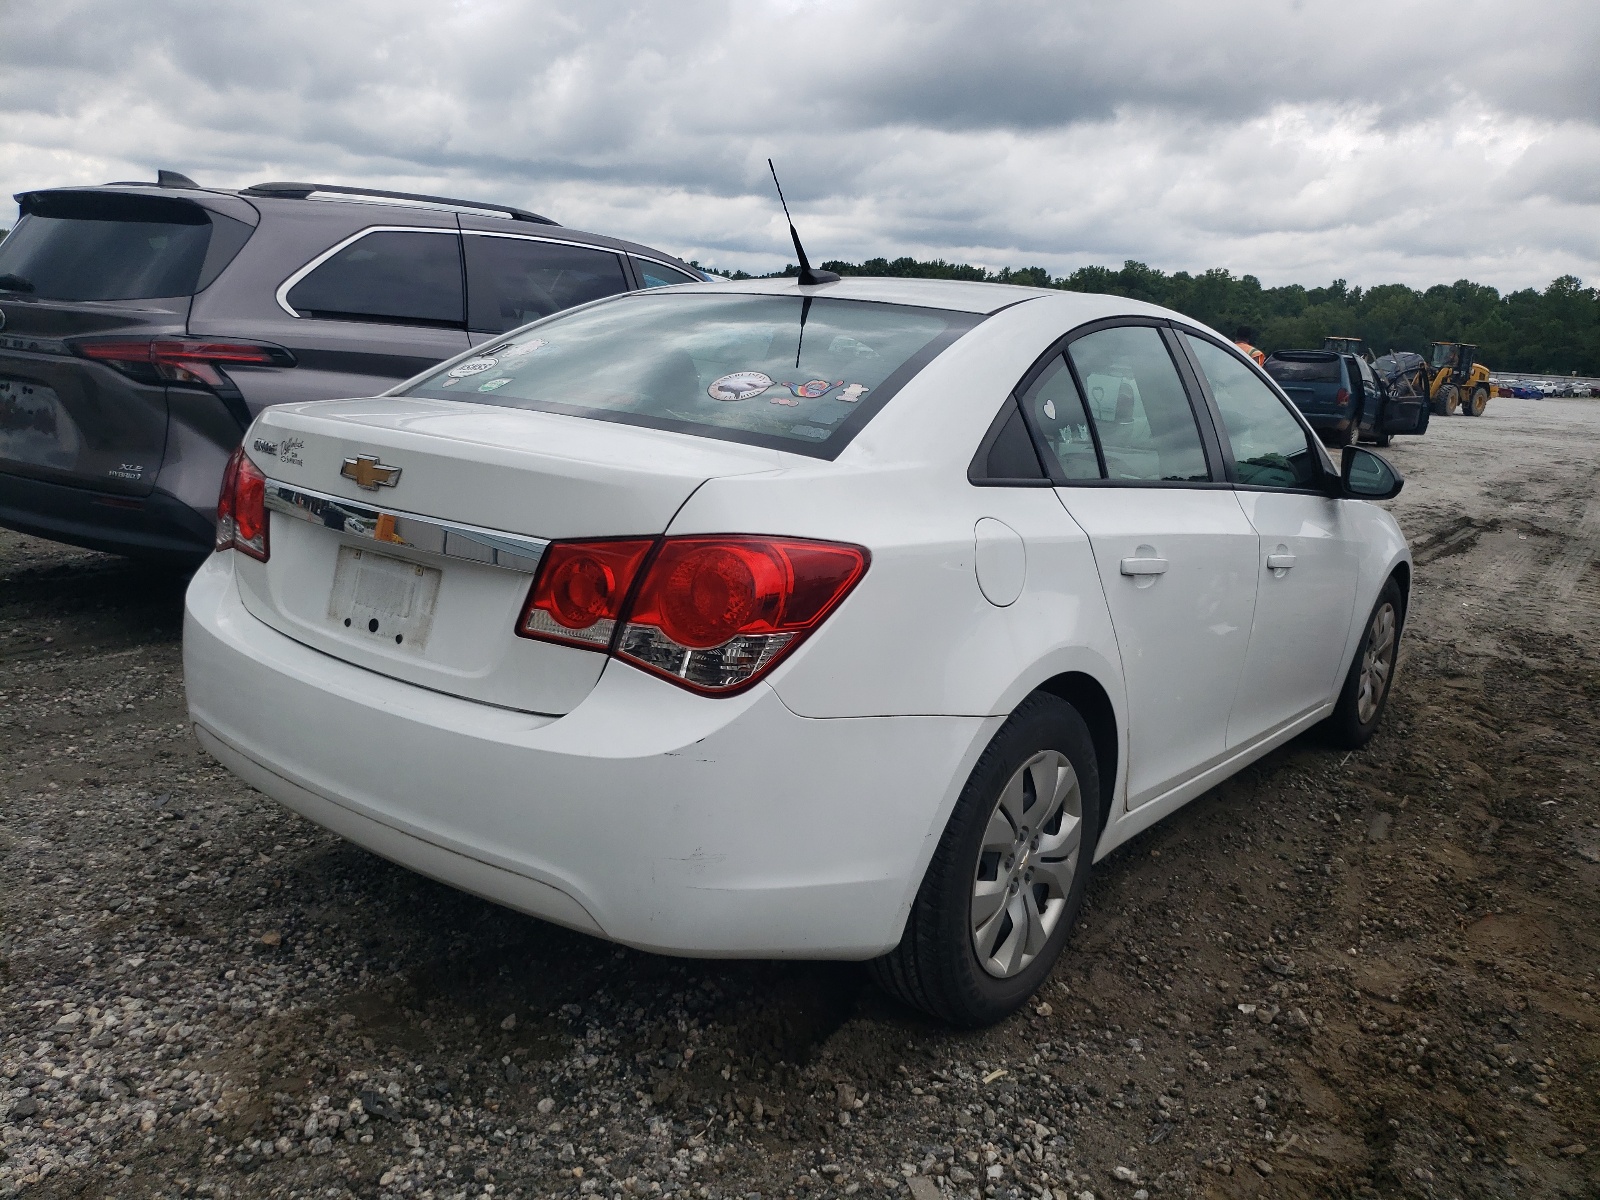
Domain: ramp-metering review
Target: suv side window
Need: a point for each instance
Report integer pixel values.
(400, 277)
(1270, 447)
(1141, 412)
(654, 274)
(1368, 382)
(511, 281)
(1055, 407)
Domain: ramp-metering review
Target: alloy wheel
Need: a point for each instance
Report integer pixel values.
(1377, 664)
(1027, 863)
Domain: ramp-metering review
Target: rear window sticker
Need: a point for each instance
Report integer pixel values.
(520, 351)
(1050, 408)
(809, 431)
(473, 366)
(741, 385)
(853, 392)
(495, 383)
(786, 401)
(812, 388)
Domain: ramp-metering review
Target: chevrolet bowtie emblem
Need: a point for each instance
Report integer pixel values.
(369, 473)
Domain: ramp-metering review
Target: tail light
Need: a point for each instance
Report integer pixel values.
(1342, 397)
(242, 508)
(181, 360)
(579, 591)
(712, 614)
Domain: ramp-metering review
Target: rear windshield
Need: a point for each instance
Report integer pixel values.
(793, 373)
(1303, 370)
(99, 247)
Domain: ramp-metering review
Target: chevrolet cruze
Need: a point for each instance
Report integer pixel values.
(853, 620)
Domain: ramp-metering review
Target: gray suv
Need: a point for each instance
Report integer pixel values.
(142, 327)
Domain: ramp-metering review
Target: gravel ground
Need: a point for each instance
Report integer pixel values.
(1338, 974)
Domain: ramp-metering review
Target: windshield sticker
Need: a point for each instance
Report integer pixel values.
(473, 366)
(741, 385)
(495, 383)
(813, 388)
(513, 354)
(853, 393)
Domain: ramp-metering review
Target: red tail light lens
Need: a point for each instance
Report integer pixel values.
(577, 595)
(715, 614)
(712, 614)
(1342, 397)
(242, 508)
(181, 360)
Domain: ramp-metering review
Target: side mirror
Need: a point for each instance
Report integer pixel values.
(1368, 476)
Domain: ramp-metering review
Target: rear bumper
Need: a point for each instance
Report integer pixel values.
(647, 815)
(1329, 422)
(156, 526)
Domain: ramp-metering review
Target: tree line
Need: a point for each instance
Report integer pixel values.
(1555, 331)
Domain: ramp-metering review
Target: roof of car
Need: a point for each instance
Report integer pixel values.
(959, 295)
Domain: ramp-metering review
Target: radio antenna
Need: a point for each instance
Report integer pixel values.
(808, 276)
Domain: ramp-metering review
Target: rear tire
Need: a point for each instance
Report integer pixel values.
(1473, 405)
(993, 912)
(1359, 711)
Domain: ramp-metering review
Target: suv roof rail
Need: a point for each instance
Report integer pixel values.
(302, 191)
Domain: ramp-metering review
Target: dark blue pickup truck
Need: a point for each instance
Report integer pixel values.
(1343, 398)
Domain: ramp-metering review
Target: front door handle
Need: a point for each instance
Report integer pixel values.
(1144, 566)
(1281, 561)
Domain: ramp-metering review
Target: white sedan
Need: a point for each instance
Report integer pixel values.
(845, 621)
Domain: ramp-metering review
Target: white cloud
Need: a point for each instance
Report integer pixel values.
(1375, 142)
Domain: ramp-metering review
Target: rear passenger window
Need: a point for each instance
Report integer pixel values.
(653, 274)
(1139, 407)
(1056, 410)
(1270, 447)
(394, 276)
(511, 281)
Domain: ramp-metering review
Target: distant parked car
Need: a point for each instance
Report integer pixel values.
(143, 326)
(1343, 398)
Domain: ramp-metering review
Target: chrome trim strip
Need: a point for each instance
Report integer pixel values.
(489, 547)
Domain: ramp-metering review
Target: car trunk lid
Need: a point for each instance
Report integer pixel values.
(421, 575)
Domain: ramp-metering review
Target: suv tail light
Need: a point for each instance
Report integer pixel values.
(1341, 397)
(181, 360)
(242, 508)
(712, 614)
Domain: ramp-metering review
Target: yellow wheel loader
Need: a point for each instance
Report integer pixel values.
(1458, 381)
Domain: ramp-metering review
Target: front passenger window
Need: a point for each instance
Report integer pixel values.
(1270, 448)
(1139, 406)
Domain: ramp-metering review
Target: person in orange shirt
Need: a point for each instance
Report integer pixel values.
(1241, 339)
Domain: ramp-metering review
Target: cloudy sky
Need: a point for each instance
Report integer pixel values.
(1298, 141)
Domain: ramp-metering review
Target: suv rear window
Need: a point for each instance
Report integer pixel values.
(721, 366)
(398, 277)
(1304, 370)
(100, 246)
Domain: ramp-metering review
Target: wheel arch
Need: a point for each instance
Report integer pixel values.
(1086, 694)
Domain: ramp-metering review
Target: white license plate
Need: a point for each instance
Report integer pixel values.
(384, 598)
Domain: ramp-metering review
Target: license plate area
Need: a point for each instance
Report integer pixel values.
(35, 428)
(383, 598)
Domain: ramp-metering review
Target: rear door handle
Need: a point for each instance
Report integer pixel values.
(1279, 562)
(1144, 566)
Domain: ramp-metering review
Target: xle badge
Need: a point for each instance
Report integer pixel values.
(369, 473)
